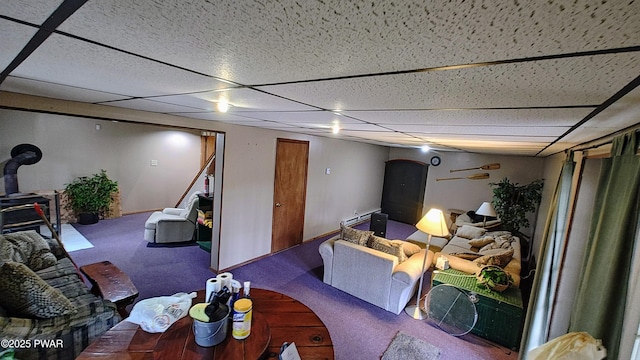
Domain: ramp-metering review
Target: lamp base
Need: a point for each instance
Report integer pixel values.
(415, 312)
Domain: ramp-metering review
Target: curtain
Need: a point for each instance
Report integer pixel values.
(603, 286)
(543, 293)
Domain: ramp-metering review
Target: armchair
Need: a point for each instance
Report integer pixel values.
(172, 224)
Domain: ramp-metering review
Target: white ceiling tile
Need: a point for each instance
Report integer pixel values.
(110, 71)
(593, 80)
(302, 117)
(335, 38)
(14, 37)
(216, 116)
(485, 117)
(150, 105)
(45, 89)
(28, 10)
(466, 130)
(240, 100)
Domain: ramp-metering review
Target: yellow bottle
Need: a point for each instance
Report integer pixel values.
(242, 311)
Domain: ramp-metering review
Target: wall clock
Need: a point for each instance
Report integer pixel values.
(435, 160)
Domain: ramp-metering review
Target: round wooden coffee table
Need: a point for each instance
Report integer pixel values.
(287, 319)
(178, 342)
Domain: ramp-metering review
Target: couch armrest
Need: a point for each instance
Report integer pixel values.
(460, 264)
(326, 252)
(409, 271)
(172, 211)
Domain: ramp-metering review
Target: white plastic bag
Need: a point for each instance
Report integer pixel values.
(156, 314)
(571, 346)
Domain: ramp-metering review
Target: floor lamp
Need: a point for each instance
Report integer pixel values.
(433, 224)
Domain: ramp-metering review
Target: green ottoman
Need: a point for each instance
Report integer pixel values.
(500, 315)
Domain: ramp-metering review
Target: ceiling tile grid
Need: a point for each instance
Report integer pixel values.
(484, 76)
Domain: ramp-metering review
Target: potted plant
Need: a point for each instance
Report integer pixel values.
(494, 278)
(513, 202)
(90, 196)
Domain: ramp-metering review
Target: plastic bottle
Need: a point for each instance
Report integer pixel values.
(247, 290)
(242, 312)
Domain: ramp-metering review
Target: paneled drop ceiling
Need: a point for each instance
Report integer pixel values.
(507, 77)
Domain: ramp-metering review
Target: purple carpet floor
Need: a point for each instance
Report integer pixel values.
(359, 330)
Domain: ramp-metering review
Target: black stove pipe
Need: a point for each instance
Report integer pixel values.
(24, 154)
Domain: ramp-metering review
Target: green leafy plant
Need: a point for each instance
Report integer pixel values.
(513, 202)
(90, 194)
(494, 278)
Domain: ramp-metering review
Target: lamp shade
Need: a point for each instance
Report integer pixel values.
(433, 223)
(486, 209)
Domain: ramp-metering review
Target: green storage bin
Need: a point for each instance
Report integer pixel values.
(500, 314)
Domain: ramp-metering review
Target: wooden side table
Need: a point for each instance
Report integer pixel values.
(110, 283)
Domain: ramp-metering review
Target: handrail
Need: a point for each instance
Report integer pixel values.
(186, 192)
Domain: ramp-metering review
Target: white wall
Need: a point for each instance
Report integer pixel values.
(72, 147)
(468, 194)
(355, 183)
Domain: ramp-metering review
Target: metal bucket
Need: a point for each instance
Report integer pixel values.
(209, 334)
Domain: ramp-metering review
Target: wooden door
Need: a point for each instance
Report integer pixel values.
(289, 194)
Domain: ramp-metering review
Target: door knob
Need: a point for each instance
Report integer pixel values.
(278, 204)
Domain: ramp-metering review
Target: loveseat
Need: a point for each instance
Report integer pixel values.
(173, 225)
(382, 272)
(46, 310)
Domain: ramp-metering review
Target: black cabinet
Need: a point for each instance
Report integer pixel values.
(403, 190)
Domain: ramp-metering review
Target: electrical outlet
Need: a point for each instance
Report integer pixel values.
(153, 163)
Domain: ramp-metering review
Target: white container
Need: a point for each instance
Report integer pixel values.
(242, 312)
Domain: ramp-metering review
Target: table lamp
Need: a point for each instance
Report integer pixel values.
(433, 224)
(486, 209)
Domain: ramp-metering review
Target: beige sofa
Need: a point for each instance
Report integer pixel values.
(378, 277)
(473, 247)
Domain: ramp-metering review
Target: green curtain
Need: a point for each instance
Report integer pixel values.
(602, 289)
(543, 293)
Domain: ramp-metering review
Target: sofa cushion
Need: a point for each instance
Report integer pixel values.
(27, 247)
(26, 294)
(480, 242)
(408, 247)
(388, 247)
(470, 232)
(500, 258)
(355, 236)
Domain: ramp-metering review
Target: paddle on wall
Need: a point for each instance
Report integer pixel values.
(478, 176)
(493, 166)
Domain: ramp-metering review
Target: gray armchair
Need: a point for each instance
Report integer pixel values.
(173, 224)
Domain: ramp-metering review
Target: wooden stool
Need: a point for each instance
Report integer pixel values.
(110, 283)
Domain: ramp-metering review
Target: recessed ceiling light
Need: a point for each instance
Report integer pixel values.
(223, 105)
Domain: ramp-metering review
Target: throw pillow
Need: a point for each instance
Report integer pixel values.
(478, 243)
(409, 248)
(27, 247)
(355, 236)
(386, 246)
(27, 295)
(500, 259)
(470, 232)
